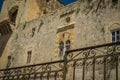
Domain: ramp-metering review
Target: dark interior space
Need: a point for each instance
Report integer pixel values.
(5, 31)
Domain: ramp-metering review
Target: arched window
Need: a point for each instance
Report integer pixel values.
(67, 45)
(13, 14)
(61, 48)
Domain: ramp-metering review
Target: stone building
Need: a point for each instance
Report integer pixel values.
(17, 12)
(38, 31)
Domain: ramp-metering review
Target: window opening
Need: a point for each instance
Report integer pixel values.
(114, 2)
(61, 49)
(13, 14)
(116, 35)
(29, 56)
(47, 0)
(67, 45)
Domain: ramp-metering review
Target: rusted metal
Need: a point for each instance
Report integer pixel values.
(88, 59)
(41, 71)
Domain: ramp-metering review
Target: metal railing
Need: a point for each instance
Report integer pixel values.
(49, 70)
(99, 62)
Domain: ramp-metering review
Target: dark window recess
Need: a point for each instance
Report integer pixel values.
(114, 1)
(116, 35)
(44, 12)
(29, 53)
(47, 0)
(13, 16)
(61, 49)
(67, 45)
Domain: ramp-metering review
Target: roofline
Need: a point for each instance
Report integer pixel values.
(61, 2)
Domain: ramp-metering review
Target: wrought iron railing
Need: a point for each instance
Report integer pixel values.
(91, 63)
(49, 70)
(94, 63)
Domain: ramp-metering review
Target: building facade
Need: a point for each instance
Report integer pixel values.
(38, 31)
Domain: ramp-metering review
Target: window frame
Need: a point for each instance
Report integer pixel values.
(13, 13)
(61, 48)
(115, 35)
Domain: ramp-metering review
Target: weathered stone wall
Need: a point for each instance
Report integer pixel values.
(92, 22)
(28, 9)
(37, 8)
(47, 6)
(42, 41)
(95, 27)
(91, 28)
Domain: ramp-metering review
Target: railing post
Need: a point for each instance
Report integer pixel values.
(105, 68)
(65, 66)
(83, 72)
(94, 68)
(55, 75)
(116, 67)
(74, 65)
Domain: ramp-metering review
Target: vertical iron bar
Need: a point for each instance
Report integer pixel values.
(41, 77)
(3, 77)
(12, 77)
(28, 76)
(94, 68)
(65, 66)
(8, 78)
(48, 75)
(83, 70)
(74, 65)
(55, 76)
(104, 68)
(35, 76)
(116, 67)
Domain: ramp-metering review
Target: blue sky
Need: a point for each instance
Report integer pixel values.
(67, 1)
(63, 1)
(1, 1)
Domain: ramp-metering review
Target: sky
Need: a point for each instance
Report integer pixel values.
(1, 1)
(63, 1)
(67, 1)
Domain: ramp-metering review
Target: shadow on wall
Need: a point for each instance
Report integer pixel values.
(3, 41)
